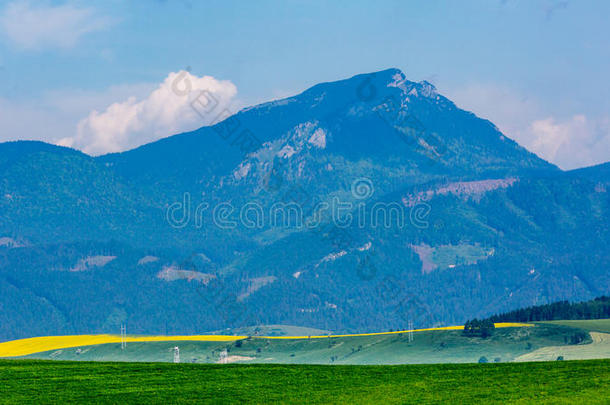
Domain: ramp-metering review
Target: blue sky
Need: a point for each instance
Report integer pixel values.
(537, 69)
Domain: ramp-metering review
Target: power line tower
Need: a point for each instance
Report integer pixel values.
(223, 358)
(123, 336)
(176, 354)
(410, 333)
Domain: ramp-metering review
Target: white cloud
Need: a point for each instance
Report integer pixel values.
(569, 142)
(573, 143)
(38, 26)
(181, 103)
(54, 114)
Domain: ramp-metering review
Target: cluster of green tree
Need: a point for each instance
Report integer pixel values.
(479, 328)
(598, 308)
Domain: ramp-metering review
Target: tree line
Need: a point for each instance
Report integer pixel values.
(598, 308)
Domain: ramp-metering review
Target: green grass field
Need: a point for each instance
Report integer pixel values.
(567, 382)
(591, 325)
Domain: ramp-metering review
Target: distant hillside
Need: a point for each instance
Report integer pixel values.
(507, 344)
(598, 172)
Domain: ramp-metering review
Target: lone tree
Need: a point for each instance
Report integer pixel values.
(477, 328)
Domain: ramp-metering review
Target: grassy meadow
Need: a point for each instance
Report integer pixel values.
(567, 382)
(591, 325)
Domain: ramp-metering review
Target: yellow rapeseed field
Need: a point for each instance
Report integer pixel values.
(24, 347)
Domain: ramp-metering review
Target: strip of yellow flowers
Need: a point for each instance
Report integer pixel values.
(24, 347)
(497, 325)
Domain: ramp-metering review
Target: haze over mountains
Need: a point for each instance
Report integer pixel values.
(153, 237)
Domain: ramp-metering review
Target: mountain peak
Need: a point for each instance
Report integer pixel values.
(399, 79)
(390, 77)
(365, 86)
